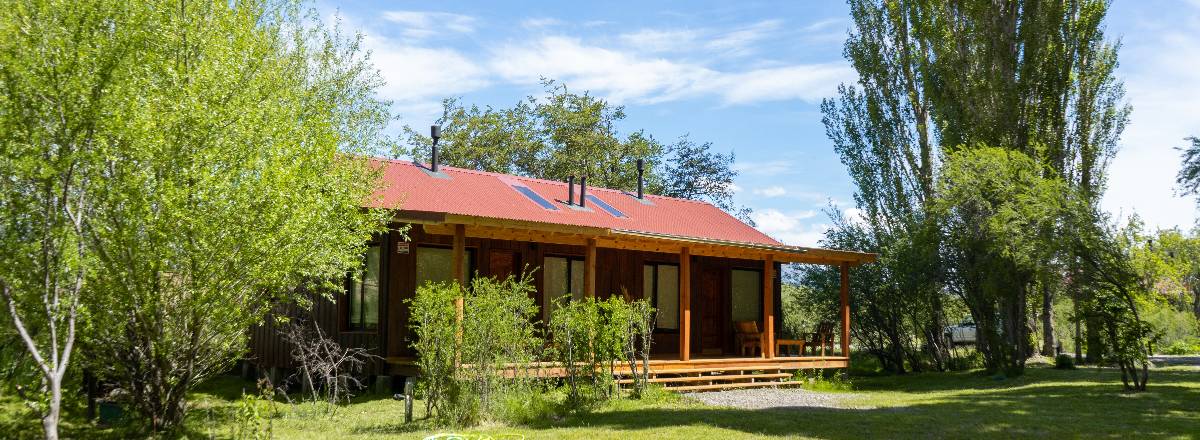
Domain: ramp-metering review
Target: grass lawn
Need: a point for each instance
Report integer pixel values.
(1085, 403)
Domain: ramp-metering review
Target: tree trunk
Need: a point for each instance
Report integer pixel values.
(1047, 320)
(50, 419)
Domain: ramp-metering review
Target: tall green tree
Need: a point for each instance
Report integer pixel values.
(566, 134)
(937, 77)
(992, 205)
(59, 100)
(176, 168)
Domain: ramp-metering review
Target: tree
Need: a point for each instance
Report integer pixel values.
(571, 134)
(58, 99)
(1189, 173)
(992, 205)
(1117, 288)
(936, 77)
(227, 174)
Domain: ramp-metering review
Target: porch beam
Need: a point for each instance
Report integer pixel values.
(589, 269)
(459, 252)
(768, 302)
(846, 310)
(685, 304)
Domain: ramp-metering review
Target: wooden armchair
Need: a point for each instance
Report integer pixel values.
(821, 337)
(749, 337)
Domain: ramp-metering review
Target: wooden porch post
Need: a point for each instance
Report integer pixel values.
(768, 348)
(685, 304)
(459, 252)
(846, 310)
(589, 269)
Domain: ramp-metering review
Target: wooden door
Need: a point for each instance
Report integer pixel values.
(711, 309)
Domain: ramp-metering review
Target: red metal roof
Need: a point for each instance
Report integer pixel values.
(412, 187)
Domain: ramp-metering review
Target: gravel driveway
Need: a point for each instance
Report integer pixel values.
(1167, 360)
(774, 398)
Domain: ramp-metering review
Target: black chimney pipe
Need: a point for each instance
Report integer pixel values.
(640, 165)
(435, 132)
(583, 192)
(571, 190)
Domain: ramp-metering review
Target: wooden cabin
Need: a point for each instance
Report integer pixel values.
(704, 270)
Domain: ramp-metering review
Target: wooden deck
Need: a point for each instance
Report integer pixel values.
(693, 375)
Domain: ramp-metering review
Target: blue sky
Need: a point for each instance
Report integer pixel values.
(748, 77)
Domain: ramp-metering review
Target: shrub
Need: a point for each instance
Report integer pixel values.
(823, 379)
(528, 406)
(1064, 362)
(591, 336)
(497, 329)
(1183, 347)
(963, 360)
(433, 324)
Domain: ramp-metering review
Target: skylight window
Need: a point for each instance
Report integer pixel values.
(605, 206)
(527, 192)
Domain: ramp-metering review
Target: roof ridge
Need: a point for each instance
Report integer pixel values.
(538, 179)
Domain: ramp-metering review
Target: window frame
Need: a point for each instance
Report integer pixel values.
(654, 294)
(469, 255)
(361, 326)
(759, 293)
(548, 302)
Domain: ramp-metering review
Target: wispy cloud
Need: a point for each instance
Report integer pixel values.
(766, 168)
(419, 25)
(627, 76)
(660, 40)
(417, 78)
(770, 191)
(540, 22)
(793, 227)
(741, 41)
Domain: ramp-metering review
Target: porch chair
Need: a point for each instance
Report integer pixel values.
(749, 337)
(821, 337)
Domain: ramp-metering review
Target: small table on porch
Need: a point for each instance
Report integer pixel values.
(781, 343)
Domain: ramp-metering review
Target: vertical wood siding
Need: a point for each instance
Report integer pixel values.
(618, 271)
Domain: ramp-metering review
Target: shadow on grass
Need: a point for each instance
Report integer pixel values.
(1060, 406)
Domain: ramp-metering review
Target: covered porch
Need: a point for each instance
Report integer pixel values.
(705, 327)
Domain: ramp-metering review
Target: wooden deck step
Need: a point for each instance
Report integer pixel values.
(657, 371)
(710, 378)
(730, 386)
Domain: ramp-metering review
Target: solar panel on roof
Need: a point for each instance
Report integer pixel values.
(527, 192)
(605, 206)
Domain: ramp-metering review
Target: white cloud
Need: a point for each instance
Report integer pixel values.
(540, 22)
(790, 227)
(655, 40)
(629, 77)
(1161, 63)
(805, 82)
(765, 168)
(770, 191)
(423, 24)
(418, 78)
(740, 41)
(619, 75)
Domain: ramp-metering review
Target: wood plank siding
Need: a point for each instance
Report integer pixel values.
(616, 271)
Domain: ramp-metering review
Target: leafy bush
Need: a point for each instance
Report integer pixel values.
(497, 329)
(818, 379)
(1183, 347)
(1064, 362)
(254, 413)
(529, 406)
(962, 360)
(434, 327)
(590, 336)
